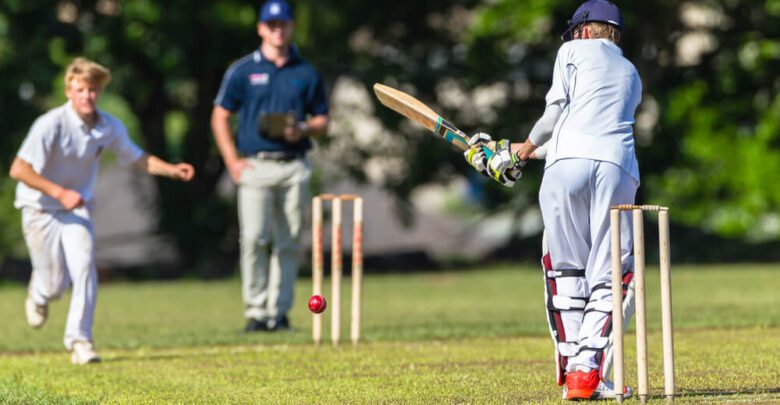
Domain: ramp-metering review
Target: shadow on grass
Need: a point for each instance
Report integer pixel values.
(150, 357)
(717, 393)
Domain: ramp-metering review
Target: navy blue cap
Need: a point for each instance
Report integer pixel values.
(594, 10)
(276, 10)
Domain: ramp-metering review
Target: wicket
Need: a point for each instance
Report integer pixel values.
(336, 265)
(641, 312)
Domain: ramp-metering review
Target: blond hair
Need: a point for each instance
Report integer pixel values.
(604, 30)
(88, 71)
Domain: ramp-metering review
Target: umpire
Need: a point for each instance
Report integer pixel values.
(281, 103)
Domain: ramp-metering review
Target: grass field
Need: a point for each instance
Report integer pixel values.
(474, 336)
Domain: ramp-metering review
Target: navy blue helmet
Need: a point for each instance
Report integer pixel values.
(593, 10)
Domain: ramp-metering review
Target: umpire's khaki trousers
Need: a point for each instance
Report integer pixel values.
(272, 197)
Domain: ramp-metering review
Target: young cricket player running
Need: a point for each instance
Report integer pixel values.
(56, 167)
(590, 166)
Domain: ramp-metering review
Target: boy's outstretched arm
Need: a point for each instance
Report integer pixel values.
(158, 167)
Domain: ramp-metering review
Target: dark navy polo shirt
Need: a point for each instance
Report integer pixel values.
(253, 86)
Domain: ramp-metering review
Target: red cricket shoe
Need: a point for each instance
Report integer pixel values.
(581, 385)
(588, 386)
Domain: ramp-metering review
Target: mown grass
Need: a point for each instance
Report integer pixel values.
(461, 337)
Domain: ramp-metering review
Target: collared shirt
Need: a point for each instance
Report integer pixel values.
(599, 90)
(254, 86)
(61, 148)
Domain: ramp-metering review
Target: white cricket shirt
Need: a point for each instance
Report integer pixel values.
(62, 149)
(599, 90)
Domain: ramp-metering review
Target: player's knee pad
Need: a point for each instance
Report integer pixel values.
(562, 296)
(605, 359)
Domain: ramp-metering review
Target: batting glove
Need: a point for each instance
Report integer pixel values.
(504, 166)
(480, 138)
(478, 160)
(476, 155)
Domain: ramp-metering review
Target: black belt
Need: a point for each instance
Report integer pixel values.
(282, 155)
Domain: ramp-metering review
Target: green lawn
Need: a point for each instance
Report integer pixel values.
(459, 337)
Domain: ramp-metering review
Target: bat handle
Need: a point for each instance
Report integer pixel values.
(488, 152)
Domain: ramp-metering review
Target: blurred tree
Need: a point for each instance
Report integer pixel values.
(707, 131)
(722, 116)
(27, 69)
(166, 60)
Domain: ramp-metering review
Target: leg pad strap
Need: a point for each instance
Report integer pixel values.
(563, 303)
(570, 349)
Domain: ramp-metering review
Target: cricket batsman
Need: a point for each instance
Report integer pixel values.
(56, 167)
(590, 165)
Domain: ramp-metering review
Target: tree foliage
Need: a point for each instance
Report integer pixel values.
(707, 131)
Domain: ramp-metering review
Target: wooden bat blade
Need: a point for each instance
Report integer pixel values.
(406, 105)
(417, 111)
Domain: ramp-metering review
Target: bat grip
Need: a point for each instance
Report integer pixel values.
(488, 152)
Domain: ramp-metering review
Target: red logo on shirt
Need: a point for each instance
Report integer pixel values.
(256, 79)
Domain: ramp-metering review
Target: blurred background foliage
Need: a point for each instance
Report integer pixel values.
(707, 130)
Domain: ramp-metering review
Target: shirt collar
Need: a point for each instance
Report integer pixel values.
(294, 55)
(611, 45)
(77, 121)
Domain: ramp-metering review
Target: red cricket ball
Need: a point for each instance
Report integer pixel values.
(317, 304)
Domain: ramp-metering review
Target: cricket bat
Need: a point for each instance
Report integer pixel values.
(420, 113)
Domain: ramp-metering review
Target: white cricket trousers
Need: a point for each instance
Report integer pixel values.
(61, 246)
(575, 197)
(272, 196)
